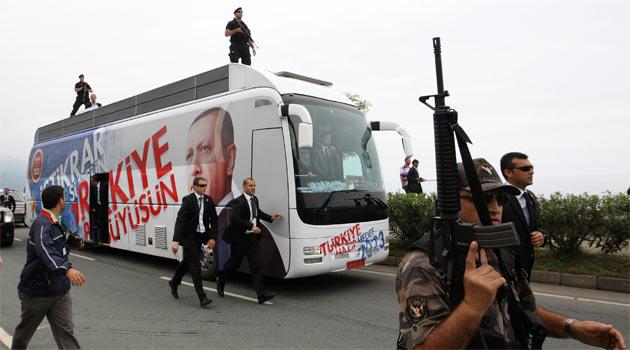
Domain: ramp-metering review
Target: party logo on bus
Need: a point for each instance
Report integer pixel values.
(37, 164)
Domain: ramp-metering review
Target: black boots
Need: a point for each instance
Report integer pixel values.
(173, 289)
(220, 286)
(204, 300)
(264, 296)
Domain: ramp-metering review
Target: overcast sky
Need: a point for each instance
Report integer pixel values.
(548, 78)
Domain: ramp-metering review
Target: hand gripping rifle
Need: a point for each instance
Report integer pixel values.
(449, 236)
(247, 33)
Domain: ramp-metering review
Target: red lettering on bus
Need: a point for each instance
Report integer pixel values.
(158, 151)
(141, 162)
(115, 189)
(84, 203)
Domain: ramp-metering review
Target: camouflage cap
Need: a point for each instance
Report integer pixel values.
(488, 177)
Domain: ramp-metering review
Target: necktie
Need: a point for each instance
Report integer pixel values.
(530, 208)
(254, 209)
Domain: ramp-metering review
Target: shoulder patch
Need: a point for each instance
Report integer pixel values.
(416, 308)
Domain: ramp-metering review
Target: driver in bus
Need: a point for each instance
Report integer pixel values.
(210, 153)
(326, 160)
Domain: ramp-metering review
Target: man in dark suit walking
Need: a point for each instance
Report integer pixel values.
(243, 235)
(521, 209)
(196, 223)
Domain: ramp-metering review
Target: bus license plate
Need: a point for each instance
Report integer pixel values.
(355, 264)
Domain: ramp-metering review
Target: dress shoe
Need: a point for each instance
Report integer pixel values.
(173, 289)
(264, 297)
(220, 286)
(205, 301)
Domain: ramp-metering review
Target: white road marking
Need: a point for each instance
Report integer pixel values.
(567, 297)
(6, 338)
(238, 296)
(17, 239)
(83, 257)
(375, 272)
(581, 299)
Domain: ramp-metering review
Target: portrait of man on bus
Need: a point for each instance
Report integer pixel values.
(210, 153)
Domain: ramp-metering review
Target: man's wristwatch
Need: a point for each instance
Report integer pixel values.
(567, 327)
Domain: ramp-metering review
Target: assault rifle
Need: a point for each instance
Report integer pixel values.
(247, 33)
(450, 237)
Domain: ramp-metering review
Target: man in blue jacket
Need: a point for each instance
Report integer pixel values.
(46, 277)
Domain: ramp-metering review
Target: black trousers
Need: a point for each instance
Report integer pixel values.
(240, 51)
(77, 103)
(246, 246)
(58, 310)
(191, 263)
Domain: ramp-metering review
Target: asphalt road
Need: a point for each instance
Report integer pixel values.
(126, 304)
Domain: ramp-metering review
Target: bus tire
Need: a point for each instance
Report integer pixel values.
(209, 263)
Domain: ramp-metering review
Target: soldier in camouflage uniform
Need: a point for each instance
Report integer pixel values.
(426, 318)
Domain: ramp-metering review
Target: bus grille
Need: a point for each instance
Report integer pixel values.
(160, 237)
(141, 237)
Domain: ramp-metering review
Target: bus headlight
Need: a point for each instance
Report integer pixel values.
(8, 217)
(315, 250)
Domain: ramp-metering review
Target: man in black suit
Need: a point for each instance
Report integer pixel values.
(7, 200)
(326, 161)
(196, 223)
(243, 235)
(522, 209)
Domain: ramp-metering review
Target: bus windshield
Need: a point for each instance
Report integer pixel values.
(340, 177)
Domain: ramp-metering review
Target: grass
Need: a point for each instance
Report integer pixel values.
(584, 264)
(596, 264)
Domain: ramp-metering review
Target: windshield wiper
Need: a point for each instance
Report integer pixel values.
(370, 200)
(324, 206)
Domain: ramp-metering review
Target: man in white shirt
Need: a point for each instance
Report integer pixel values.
(196, 224)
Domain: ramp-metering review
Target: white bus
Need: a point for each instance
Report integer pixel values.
(307, 146)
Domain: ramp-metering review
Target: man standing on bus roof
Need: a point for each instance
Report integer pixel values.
(210, 153)
(240, 39)
(196, 223)
(243, 234)
(83, 91)
(46, 277)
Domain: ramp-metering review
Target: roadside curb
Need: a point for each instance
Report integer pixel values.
(561, 279)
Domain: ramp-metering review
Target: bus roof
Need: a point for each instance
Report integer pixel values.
(228, 78)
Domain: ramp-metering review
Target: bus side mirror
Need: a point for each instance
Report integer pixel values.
(404, 135)
(305, 127)
(305, 136)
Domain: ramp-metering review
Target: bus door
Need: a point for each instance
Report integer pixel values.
(100, 200)
(269, 170)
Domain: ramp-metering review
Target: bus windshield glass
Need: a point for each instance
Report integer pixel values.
(341, 173)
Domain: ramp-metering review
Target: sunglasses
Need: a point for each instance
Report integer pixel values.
(204, 185)
(524, 168)
(488, 197)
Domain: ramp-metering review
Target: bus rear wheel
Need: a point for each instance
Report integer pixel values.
(209, 263)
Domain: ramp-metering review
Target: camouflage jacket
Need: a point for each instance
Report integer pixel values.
(424, 302)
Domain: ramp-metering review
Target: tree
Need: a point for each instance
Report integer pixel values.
(362, 105)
